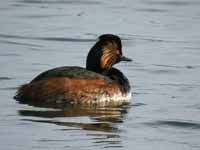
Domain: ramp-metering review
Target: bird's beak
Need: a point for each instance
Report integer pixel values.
(123, 58)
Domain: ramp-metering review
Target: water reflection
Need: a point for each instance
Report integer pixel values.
(99, 123)
(102, 118)
(105, 127)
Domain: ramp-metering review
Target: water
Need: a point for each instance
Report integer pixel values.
(161, 36)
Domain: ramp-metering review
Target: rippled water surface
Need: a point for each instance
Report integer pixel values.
(161, 36)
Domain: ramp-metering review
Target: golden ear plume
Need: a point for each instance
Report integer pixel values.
(108, 58)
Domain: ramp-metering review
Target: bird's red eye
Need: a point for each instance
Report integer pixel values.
(117, 52)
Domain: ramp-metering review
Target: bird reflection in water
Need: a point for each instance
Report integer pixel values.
(103, 118)
(102, 129)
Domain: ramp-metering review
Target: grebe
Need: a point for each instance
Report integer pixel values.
(98, 83)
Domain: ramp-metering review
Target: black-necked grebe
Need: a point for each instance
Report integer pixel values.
(98, 83)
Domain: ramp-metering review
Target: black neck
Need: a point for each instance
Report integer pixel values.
(93, 58)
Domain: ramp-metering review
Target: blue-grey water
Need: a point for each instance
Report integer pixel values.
(161, 36)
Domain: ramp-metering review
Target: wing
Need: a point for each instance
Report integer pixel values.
(69, 72)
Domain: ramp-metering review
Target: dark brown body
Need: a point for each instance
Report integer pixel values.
(66, 90)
